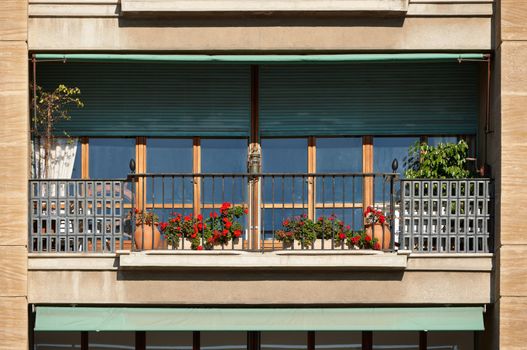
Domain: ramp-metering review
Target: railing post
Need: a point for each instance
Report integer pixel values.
(132, 211)
(395, 165)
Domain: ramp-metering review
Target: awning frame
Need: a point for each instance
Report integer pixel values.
(262, 59)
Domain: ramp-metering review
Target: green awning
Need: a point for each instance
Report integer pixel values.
(259, 319)
(260, 59)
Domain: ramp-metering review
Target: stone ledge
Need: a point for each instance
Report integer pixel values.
(167, 6)
(282, 260)
(243, 260)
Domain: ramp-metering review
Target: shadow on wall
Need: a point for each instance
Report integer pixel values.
(258, 275)
(304, 19)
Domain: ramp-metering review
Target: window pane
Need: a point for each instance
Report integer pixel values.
(335, 155)
(396, 340)
(386, 149)
(223, 340)
(284, 340)
(169, 156)
(111, 340)
(339, 155)
(224, 156)
(338, 340)
(110, 157)
(57, 340)
(77, 164)
(169, 340)
(451, 340)
(284, 155)
(436, 140)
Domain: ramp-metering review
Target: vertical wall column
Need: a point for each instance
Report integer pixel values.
(14, 174)
(508, 152)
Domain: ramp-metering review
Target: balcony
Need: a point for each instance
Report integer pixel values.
(102, 216)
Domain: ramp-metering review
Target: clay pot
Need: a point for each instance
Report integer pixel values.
(381, 232)
(146, 243)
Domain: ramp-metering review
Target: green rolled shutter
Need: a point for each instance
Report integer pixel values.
(369, 99)
(152, 99)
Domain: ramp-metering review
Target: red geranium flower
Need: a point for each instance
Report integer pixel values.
(368, 239)
(342, 235)
(213, 215)
(245, 211)
(377, 246)
(163, 226)
(199, 248)
(237, 233)
(228, 224)
(225, 232)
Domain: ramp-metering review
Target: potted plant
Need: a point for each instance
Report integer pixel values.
(377, 227)
(328, 232)
(146, 235)
(358, 240)
(221, 229)
(444, 161)
(298, 228)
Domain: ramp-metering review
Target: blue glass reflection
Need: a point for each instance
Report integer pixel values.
(386, 149)
(339, 155)
(436, 140)
(77, 163)
(224, 156)
(284, 156)
(169, 156)
(110, 157)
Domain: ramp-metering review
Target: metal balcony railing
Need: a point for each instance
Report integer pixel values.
(260, 212)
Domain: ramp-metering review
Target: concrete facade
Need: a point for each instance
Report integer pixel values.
(236, 26)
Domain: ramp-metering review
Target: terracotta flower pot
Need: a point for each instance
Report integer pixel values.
(381, 232)
(146, 243)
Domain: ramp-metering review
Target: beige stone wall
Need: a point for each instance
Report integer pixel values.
(435, 25)
(13, 174)
(512, 55)
(105, 280)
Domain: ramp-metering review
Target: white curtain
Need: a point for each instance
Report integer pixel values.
(60, 161)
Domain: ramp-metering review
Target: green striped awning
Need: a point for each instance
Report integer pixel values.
(259, 319)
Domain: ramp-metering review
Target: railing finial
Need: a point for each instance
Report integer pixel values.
(132, 165)
(395, 165)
